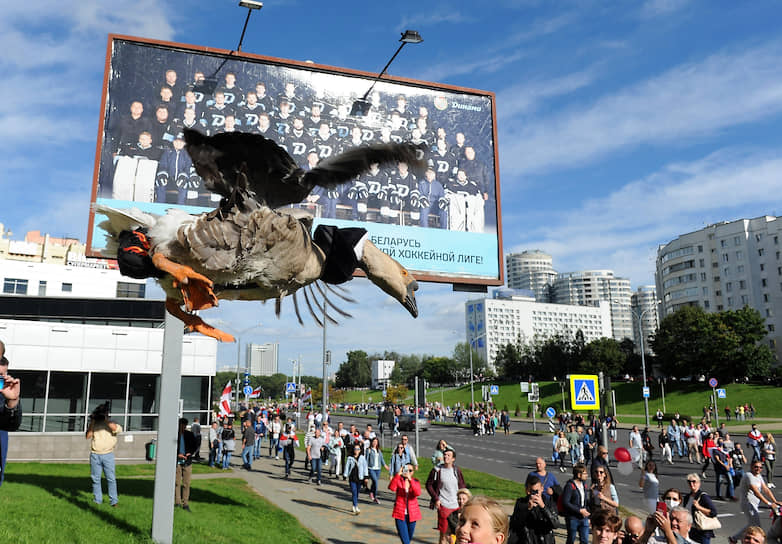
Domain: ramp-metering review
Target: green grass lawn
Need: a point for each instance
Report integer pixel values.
(53, 503)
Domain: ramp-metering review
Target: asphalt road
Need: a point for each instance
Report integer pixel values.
(513, 457)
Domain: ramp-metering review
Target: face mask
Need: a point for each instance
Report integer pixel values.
(672, 503)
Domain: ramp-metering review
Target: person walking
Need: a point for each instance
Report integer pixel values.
(604, 493)
(288, 441)
(651, 486)
(187, 446)
(356, 472)
(442, 484)
(229, 443)
(102, 433)
(664, 441)
(575, 498)
(260, 431)
(314, 447)
(375, 463)
(698, 500)
(752, 491)
(406, 511)
(275, 428)
(398, 460)
(10, 408)
(769, 455)
(248, 443)
(214, 443)
(195, 428)
(561, 447)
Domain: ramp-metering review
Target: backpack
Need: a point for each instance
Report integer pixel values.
(353, 476)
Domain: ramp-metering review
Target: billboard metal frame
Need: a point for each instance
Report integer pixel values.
(459, 281)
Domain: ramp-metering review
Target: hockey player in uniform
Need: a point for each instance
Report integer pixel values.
(265, 128)
(166, 99)
(173, 174)
(188, 121)
(465, 204)
(197, 86)
(294, 102)
(398, 128)
(318, 196)
(478, 172)
(444, 162)
(326, 144)
(229, 126)
(313, 120)
(264, 100)
(247, 114)
(298, 142)
(171, 81)
(214, 115)
(458, 148)
(342, 124)
(188, 104)
(406, 185)
(365, 191)
(233, 94)
(142, 148)
(426, 134)
(431, 199)
(405, 115)
(284, 119)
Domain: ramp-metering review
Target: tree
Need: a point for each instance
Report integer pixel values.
(356, 371)
(461, 354)
(679, 342)
(632, 362)
(509, 361)
(602, 355)
(440, 370)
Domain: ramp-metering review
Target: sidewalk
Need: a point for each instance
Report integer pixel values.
(326, 510)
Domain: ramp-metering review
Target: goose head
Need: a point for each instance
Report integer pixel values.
(393, 278)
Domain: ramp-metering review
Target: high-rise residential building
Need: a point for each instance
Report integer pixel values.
(509, 318)
(589, 288)
(381, 372)
(645, 308)
(726, 266)
(531, 270)
(262, 359)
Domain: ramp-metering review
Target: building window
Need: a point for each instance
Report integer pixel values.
(730, 302)
(729, 286)
(726, 271)
(706, 304)
(740, 269)
(744, 300)
(719, 307)
(67, 396)
(743, 284)
(67, 287)
(715, 265)
(739, 255)
(737, 240)
(705, 291)
(725, 257)
(768, 312)
(761, 252)
(703, 276)
(130, 290)
(717, 293)
(771, 327)
(762, 267)
(701, 263)
(14, 286)
(723, 243)
(765, 297)
(763, 282)
(42, 288)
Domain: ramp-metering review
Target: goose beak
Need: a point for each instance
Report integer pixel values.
(409, 303)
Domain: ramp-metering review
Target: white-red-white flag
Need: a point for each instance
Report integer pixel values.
(256, 392)
(306, 396)
(225, 400)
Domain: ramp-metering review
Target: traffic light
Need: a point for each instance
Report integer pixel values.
(421, 400)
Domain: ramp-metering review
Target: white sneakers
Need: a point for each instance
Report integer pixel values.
(356, 510)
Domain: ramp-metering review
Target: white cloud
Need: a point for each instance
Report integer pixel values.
(525, 97)
(691, 100)
(661, 8)
(621, 230)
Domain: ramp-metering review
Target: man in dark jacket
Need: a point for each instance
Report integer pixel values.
(186, 448)
(575, 497)
(10, 409)
(534, 516)
(443, 483)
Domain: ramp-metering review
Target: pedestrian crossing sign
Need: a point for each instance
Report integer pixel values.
(584, 392)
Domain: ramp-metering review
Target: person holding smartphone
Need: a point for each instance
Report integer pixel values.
(10, 409)
(534, 516)
(406, 511)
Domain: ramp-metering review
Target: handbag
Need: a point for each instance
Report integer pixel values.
(703, 522)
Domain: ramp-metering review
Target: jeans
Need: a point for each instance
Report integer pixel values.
(213, 455)
(573, 455)
(374, 475)
(580, 527)
(288, 461)
(273, 443)
(247, 457)
(315, 467)
(103, 463)
(354, 488)
(226, 458)
(257, 450)
(405, 529)
(721, 475)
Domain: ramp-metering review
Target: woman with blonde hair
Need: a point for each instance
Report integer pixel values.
(482, 521)
(769, 455)
(562, 446)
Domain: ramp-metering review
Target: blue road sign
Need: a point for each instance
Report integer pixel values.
(248, 390)
(583, 392)
(721, 394)
(290, 387)
(646, 392)
(494, 389)
(713, 382)
(550, 412)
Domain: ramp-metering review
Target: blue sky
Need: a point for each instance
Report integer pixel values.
(620, 125)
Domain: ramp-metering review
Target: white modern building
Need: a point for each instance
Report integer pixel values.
(508, 318)
(589, 288)
(533, 270)
(78, 334)
(381, 372)
(262, 359)
(726, 266)
(645, 310)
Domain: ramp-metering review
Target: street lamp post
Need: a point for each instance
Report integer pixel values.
(640, 318)
(472, 376)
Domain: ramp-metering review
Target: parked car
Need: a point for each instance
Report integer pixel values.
(406, 423)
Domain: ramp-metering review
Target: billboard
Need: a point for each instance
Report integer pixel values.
(442, 224)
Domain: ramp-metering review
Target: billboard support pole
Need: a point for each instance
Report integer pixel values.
(165, 462)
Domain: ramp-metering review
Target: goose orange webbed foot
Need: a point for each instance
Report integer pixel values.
(196, 288)
(195, 323)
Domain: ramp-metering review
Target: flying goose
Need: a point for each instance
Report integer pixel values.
(248, 248)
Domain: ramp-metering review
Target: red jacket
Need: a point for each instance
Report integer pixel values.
(404, 498)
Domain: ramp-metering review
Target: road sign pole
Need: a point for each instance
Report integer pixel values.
(716, 410)
(534, 409)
